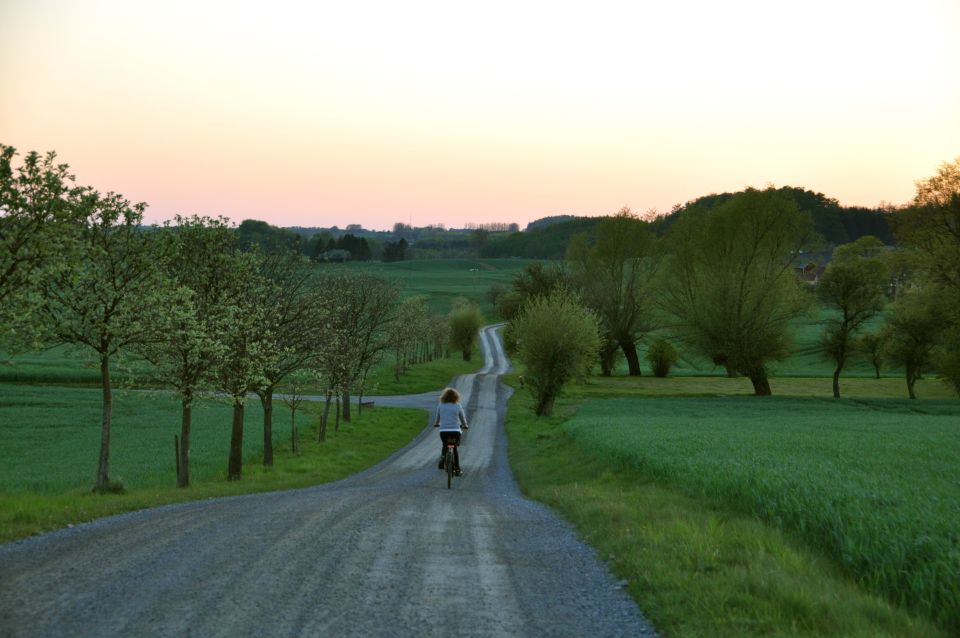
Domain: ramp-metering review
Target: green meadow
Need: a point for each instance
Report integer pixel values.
(730, 514)
(440, 281)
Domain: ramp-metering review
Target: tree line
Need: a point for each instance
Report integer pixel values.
(722, 281)
(209, 309)
(835, 224)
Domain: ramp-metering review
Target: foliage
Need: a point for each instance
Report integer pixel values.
(410, 328)
(615, 278)
(930, 229)
(535, 280)
(872, 345)
(292, 326)
(853, 283)
(200, 263)
(38, 214)
(557, 340)
(662, 356)
(730, 287)
(269, 239)
(103, 298)
(912, 329)
(395, 251)
(541, 242)
(359, 309)
(465, 322)
(874, 484)
(835, 223)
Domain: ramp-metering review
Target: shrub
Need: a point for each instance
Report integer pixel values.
(662, 356)
(465, 322)
(557, 340)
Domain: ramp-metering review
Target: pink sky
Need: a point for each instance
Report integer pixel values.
(322, 114)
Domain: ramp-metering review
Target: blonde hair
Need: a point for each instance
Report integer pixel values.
(449, 396)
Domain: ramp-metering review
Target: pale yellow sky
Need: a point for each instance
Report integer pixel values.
(321, 114)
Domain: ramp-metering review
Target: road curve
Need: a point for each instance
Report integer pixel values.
(387, 552)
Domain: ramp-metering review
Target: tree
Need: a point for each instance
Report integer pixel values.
(292, 399)
(105, 300)
(408, 328)
(360, 310)
(872, 344)
(465, 322)
(294, 322)
(197, 257)
(556, 339)
(730, 287)
(534, 280)
(853, 285)
(248, 344)
(39, 214)
(616, 278)
(930, 230)
(912, 328)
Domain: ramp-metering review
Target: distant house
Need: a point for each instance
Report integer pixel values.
(810, 273)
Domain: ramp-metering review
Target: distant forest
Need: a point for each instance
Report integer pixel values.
(545, 238)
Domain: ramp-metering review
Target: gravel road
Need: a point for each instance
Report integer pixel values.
(387, 552)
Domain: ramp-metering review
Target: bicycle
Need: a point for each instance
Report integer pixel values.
(448, 459)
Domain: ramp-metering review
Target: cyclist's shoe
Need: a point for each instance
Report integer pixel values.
(440, 467)
(458, 472)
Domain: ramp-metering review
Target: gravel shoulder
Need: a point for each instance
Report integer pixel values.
(389, 551)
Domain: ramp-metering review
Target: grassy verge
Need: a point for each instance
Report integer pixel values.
(358, 445)
(695, 565)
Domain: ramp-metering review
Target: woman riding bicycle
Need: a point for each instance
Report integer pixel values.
(449, 419)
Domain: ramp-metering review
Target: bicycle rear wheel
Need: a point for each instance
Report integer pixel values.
(448, 463)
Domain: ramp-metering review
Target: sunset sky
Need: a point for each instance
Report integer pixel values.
(331, 113)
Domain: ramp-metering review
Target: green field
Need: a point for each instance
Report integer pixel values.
(873, 483)
(50, 440)
(51, 437)
(440, 281)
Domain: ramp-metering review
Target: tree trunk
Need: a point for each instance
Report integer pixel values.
(322, 432)
(545, 405)
(103, 467)
(266, 400)
(608, 357)
(235, 466)
(336, 420)
(346, 406)
(836, 380)
(294, 439)
(183, 477)
(360, 402)
(633, 361)
(911, 380)
(876, 368)
(466, 354)
(761, 384)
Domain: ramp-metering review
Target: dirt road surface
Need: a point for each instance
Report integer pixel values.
(388, 552)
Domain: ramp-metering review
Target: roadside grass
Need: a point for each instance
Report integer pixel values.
(695, 564)
(50, 444)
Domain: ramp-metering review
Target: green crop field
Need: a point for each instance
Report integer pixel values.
(441, 280)
(51, 437)
(873, 483)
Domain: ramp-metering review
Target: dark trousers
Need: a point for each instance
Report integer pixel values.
(455, 437)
